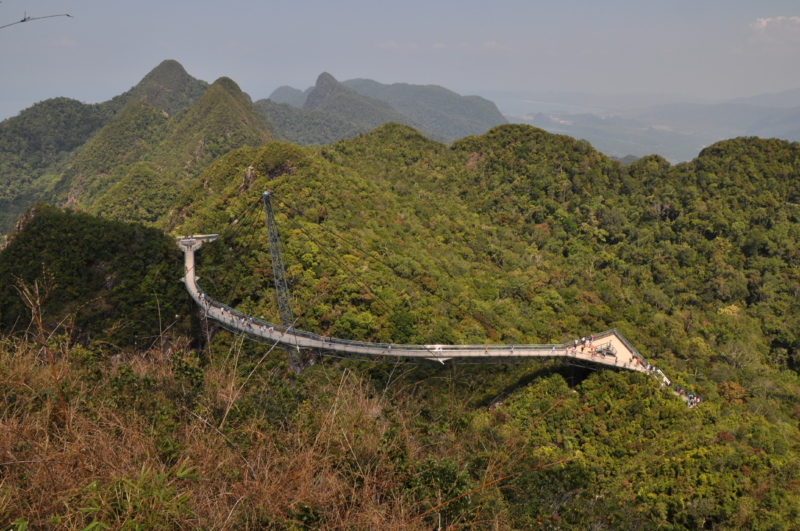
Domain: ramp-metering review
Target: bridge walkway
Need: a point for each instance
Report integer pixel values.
(611, 349)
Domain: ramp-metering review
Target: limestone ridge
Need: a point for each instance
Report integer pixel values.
(135, 167)
(167, 87)
(292, 96)
(330, 112)
(435, 108)
(331, 96)
(289, 123)
(38, 146)
(360, 105)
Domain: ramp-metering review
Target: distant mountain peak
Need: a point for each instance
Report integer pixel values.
(231, 87)
(292, 96)
(168, 87)
(435, 108)
(168, 72)
(325, 77)
(325, 88)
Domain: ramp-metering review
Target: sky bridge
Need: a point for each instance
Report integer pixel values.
(609, 349)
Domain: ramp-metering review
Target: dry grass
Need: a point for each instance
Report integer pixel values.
(343, 459)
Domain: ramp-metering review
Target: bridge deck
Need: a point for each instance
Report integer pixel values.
(616, 351)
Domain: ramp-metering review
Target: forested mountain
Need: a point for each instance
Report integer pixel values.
(306, 127)
(134, 167)
(122, 269)
(39, 140)
(514, 236)
(149, 140)
(440, 113)
(40, 143)
(434, 107)
(343, 102)
(330, 111)
(292, 96)
(167, 87)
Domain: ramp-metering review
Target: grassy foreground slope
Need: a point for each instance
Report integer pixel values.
(530, 237)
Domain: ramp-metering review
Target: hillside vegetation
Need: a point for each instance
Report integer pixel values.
(330, 111)
(306, 127)
(129, 157)
(38, 145)
(523, 236)
(115, 281)
(515, 236)
(292, 96)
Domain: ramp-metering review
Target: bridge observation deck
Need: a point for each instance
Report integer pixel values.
(611, 349)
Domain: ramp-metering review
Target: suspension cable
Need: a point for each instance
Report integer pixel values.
(234, 232)
(461, 310)
(245, 246)
(345, 267)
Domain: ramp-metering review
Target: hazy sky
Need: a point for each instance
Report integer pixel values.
(715, 49)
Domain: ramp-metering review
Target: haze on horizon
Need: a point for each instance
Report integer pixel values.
(702, 51)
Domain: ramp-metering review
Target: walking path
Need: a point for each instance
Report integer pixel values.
(610, 348)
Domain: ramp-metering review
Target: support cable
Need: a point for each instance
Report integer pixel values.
(345, 267)
(461, 310)
(246, 245)
(244, 223)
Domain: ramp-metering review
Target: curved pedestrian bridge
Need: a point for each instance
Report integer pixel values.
(610, 349)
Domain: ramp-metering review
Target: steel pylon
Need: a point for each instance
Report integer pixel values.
(281, 285)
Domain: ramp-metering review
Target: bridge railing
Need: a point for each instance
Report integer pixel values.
(439, 350)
